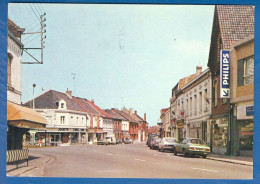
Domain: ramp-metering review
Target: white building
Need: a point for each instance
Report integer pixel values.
(195, 104)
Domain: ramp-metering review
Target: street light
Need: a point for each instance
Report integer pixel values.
(34, 85)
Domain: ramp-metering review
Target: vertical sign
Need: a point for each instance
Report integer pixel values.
(224, 74)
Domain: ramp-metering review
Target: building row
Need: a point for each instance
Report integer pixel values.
(73, 119)
(198, 109)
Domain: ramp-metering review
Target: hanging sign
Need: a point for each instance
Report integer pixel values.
(224, 74)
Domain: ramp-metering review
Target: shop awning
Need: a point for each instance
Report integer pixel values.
(23, 117)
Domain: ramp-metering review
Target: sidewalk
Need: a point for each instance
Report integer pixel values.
(36, 165)
(232, 159)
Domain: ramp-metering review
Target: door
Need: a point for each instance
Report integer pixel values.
(204, 131)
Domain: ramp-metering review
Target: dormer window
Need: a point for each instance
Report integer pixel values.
(62, 104)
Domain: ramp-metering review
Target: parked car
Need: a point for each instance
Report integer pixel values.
(150, 137)
(167, 143)
(155, 143)
(111, 139)
(192, 146)
(129, 141)
(102, 142)
(118, 141)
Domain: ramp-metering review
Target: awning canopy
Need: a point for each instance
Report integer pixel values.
(23, 117)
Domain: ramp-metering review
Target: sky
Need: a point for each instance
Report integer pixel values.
(122, 55)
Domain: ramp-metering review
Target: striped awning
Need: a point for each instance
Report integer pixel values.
(23, 117)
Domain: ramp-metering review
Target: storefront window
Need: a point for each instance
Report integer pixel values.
(246, 135)
(220, 136)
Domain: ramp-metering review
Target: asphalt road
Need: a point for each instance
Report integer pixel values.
(135, 161)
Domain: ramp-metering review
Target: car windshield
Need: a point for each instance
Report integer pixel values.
(196, 141)
(170, 140)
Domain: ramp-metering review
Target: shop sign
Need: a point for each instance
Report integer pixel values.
(180, 124)
(250, 111)
(63, 129)
(245, 112)
(222, 122)
(224, 74)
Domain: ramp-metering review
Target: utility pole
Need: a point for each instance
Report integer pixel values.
(43, 30)
(34, 85)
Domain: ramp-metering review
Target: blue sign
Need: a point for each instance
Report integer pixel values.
(224, 74)
(250, 111)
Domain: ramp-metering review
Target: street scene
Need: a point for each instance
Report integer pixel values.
(148, 94)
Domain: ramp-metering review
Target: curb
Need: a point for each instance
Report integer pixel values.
(231, 161)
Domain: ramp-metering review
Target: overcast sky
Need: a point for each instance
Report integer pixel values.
(122, 55)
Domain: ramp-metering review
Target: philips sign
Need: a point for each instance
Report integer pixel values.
(224, 74)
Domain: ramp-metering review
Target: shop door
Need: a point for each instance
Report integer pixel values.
(204, 131)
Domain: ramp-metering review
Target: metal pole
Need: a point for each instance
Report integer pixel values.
(34, 85)
(41, 42)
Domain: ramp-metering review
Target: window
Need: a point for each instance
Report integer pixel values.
(215, 93)
(62, 105)
(9, 71)
(200, 105)
(62, 119)
(195, 104)
(190, 106)
(245, 71)
(206, 99)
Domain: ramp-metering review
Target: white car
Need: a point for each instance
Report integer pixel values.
(167, 143)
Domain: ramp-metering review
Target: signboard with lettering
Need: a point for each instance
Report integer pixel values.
(250, 111)
(224, 74)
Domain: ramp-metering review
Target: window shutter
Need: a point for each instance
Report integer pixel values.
(240, 73)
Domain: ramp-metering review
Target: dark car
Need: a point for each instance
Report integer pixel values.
(150, 138)
(129, 141)
(118, 141)
(155, 143)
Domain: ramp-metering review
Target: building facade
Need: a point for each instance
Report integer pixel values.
(242, 96)
(231, 23)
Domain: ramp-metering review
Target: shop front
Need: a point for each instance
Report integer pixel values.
(95, 134)
(244, 131)
(62, 135)
(180, 130)
(219, 135)
(20, 120)
(195, 130)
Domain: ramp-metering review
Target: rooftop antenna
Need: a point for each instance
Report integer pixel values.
(74, 78)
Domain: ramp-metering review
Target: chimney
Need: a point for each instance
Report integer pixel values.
(69, 93)
(92, 100)
(135, 112)
(131, 111)
(144, 116)
(198, 69)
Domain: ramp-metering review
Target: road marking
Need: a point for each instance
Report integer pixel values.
(139, 159)
(205, 170)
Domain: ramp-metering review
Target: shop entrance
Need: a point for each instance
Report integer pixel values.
(204, 131)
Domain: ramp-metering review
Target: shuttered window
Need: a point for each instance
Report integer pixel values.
(9, 71)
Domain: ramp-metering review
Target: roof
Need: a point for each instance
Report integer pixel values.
(83, 103)
(115, 114)
(99, 110)
(49, 99)
(235, 22)
(164, 110)
(17, 112)
(138, 118)
(127, 116)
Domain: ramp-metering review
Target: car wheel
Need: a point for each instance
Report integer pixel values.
(184, 153)
(204, 156)
(175, 152)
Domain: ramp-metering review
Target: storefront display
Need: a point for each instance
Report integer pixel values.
(246, 135)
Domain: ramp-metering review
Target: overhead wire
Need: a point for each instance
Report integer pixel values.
(32, 39)
(36, 10)
(39, 8)
(35, 13)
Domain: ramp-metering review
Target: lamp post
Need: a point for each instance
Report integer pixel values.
(34, 85)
